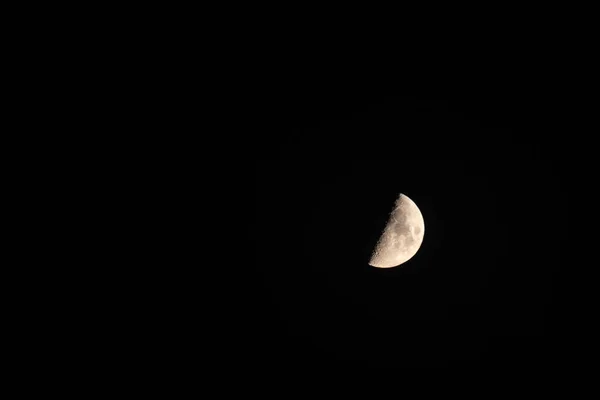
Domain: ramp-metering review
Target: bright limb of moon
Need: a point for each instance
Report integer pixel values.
(402, 236)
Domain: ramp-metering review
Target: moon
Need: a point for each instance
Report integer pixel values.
(402, 236)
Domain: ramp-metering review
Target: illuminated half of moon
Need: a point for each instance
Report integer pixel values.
(401, 237)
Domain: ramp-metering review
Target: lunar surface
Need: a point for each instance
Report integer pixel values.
(402, 236)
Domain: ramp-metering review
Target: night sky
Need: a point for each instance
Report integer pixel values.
(481, 290)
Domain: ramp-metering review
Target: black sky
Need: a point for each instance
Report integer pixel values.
(481, 290)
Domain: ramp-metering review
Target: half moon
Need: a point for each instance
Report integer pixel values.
(401, 237)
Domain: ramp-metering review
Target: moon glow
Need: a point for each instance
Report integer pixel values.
(402, 236)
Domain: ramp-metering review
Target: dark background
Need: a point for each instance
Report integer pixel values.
(482, 290)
